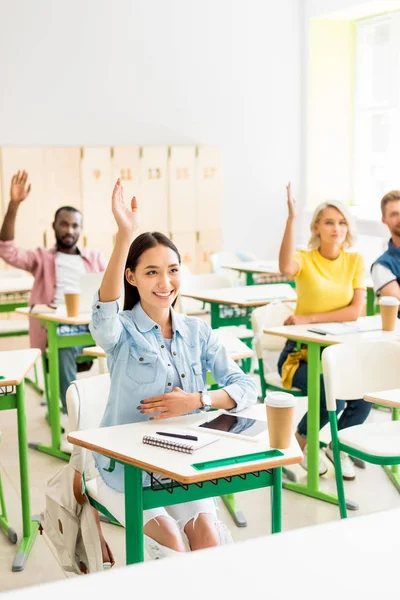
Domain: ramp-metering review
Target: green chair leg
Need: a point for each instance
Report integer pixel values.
(338, 466)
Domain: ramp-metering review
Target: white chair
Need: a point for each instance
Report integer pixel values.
(350, 371)
(86, 402)
(267, 347)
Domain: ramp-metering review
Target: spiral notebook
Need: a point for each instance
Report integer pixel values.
(185, 446)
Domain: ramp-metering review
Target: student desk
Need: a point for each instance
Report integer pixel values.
(51, 320)
(14, 292)
(257, 267)
(14, 365)
(245, 297)
(237, 351)
(277, 563)
(315, 343)
(390, 398)
(223, 469)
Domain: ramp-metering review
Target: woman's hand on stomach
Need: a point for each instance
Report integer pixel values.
(173, 404)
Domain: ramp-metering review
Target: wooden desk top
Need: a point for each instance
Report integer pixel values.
(58, 316)
(236, 348)
(245, 296)
(15, 364)
(302, 333)
(370, 540)
(388, 398)
(124, 442)
(13, 285)
(265, 267)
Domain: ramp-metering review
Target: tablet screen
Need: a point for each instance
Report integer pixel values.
(234, 424)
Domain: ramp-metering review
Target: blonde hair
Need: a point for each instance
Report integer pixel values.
(314, 241)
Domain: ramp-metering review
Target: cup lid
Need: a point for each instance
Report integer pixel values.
(389, 301)
(280, 399)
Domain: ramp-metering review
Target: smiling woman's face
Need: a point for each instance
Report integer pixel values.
(331, 227)
(157, 277)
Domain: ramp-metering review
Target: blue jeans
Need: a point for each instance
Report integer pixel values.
(66, 360)
(354, 413)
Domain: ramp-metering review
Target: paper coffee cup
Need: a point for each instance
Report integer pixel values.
(389, 308)
(72, 298)
(280, 408)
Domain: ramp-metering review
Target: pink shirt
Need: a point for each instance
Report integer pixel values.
(42, 264)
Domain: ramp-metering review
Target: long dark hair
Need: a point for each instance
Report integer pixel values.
(143, 242)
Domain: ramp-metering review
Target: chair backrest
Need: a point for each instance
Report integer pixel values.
(86, 401)
(219, 258)
(271, 315)
(352, 369)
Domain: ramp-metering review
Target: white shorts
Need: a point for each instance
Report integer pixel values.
(182, 513)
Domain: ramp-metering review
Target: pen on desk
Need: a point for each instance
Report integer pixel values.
(177, 435)
(318, 332)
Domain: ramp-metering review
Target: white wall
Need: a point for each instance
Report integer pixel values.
(115, 72)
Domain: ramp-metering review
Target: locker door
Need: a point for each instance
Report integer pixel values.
(125, 164)
(153, 190)
(62, 183)
(208, 243)
(33, 217)
(186, 245)
(209, 188)
(98, 221)
(182, 189)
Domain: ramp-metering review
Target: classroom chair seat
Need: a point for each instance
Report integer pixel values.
(274, 380)
(350, 371)
(377, 439)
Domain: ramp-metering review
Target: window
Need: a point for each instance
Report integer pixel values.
(377, 112)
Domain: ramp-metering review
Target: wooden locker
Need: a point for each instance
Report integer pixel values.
(96, 184)
(208, 242)
(33, 216)
(62, 183)
(153, 189)
(209, 189)
(125, 164)
(182, 189)
(186, 245)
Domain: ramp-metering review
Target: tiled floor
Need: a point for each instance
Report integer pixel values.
(42, 566)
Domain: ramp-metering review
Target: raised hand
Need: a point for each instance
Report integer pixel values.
(125, 217)
(292, 209)
(19, 191)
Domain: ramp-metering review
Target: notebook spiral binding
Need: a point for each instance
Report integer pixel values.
(169, 445)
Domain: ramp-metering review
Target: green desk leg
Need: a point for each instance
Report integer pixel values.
(249, 279)
(53, 399)
(4, 524)
(276, 500)
(236, 514)
(311, 488)
(216, 321)
(370, 302)
(393, 471)
(133, 515)
(29, 526)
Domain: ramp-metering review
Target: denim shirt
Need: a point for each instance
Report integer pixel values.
(140, 367)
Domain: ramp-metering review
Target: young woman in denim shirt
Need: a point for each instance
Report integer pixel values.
(158, 361)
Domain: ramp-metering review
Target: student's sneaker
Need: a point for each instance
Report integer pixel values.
(348, 471)
(156, 550)
(322, 468)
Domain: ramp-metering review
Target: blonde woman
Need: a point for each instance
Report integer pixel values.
(330, 287)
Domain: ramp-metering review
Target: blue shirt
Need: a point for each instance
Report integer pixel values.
(140, 366)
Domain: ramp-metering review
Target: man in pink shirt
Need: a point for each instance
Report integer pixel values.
(54, 269)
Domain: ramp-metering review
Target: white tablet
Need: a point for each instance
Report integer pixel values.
(234, 426)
